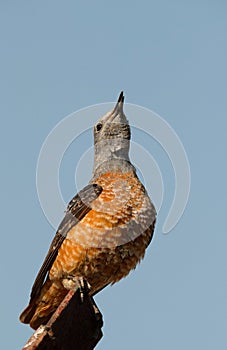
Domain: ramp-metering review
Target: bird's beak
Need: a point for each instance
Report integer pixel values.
(120, 102)
(117, 114)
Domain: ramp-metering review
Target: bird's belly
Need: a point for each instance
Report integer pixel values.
(99, 265)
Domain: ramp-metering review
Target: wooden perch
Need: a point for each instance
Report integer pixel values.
(76, 324)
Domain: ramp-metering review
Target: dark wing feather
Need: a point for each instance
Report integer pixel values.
(78, 207)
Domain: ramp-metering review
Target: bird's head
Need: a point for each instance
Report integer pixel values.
(112, 137)
(113, 125)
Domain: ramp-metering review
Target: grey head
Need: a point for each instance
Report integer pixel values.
(112, 141)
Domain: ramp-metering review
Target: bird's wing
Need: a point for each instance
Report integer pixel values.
(78, 207)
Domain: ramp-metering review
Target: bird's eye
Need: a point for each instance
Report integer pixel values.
(98, 126)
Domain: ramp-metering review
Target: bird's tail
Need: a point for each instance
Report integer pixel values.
(28, 312)
(41, 308)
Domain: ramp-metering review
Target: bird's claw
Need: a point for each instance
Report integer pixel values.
(75, 283)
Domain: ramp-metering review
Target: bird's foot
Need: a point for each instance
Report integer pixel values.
(75, 283)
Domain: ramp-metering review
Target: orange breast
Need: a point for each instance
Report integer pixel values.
(110, 240)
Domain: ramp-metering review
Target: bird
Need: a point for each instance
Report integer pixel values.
(106, 229)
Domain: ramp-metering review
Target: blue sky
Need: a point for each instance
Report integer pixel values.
(169, 57)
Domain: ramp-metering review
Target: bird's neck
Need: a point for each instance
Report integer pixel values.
(112, 165)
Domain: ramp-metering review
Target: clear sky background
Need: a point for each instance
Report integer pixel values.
(169, 56)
